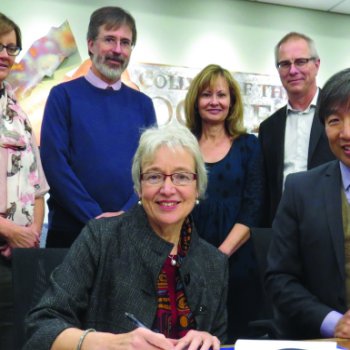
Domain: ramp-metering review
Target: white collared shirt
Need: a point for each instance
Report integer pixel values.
(345, 175)
(297, 138)
(94, 80)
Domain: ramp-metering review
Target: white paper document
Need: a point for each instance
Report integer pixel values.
(242, 344)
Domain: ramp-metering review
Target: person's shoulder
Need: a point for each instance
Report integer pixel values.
(134, 93)
(273, 117)
(71, 85)
(249, 142)
(249, 138)
(108, 227)
(125, 224)
(311, 177)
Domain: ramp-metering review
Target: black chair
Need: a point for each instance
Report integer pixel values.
(31, 272)
(264, 326)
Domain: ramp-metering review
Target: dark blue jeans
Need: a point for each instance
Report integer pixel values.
(6, 305)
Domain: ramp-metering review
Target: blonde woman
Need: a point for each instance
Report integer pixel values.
(214, 114)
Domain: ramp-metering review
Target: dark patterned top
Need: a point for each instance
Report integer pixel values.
(234, 193)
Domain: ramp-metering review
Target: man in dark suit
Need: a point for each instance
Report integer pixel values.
(293, 139)
(308, 274)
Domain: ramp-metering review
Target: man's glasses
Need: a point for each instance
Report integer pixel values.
(179, 179)
(112, 42)
(298, 63)
(12, 50)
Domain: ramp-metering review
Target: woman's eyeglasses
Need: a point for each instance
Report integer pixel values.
(179, 179)
(12, 50)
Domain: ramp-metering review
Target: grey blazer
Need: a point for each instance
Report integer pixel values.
(306, 262)
(113, 268)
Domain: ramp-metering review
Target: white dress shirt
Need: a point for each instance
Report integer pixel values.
(94, 80)
(297, 137)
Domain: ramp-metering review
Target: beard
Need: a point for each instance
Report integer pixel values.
(111, 73)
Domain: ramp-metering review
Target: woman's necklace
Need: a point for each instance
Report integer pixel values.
(172, 259)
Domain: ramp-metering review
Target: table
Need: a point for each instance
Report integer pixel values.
(345, 343)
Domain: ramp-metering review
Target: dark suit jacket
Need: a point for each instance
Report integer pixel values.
(271, 136)
(113, 268)
(306, 263)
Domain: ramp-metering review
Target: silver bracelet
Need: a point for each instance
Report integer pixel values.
(82, 337)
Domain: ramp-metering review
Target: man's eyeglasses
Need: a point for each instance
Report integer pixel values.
(299, 63)
(12, 50)
(179, 179)
(112, 42)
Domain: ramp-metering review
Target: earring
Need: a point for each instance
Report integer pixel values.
(139, 202)
(197, 201)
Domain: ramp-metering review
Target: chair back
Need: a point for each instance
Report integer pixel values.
(265, 326)
(31, 272)
(261, 238)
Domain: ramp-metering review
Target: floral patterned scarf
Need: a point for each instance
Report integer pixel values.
(174, 317)
(19, 176)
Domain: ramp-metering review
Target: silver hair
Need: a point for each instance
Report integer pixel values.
(172, 135)
(294, 36)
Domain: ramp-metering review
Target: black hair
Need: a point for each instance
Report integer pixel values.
(334, 95)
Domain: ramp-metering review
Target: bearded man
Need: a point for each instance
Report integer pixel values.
(90, 132)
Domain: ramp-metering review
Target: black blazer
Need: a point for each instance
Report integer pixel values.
(271, 136)
(306, 261)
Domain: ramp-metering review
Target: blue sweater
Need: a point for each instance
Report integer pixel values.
(88, 139)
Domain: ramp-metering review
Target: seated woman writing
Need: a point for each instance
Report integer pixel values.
(148, 262)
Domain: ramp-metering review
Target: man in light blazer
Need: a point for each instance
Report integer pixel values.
(293, 139)
(308, 274)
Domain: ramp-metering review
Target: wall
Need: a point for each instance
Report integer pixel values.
(236, 34)
(239, 35)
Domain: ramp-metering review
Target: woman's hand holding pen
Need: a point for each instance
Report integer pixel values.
(193, 340)
(140, 338)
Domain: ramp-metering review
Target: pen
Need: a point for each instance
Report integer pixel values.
(133, 319)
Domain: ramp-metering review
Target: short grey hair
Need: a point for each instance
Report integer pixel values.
(295, 36)
(173, 136)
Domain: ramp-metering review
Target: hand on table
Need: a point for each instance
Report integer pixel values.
(140, 338)
(342, 329)
(197, 340)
